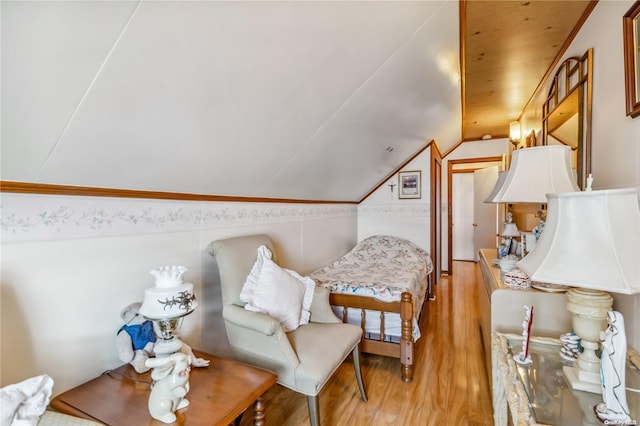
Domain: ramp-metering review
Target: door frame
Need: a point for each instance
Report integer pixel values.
(436, 213)
(450, 171)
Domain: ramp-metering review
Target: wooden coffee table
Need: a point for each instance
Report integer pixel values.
(218, 394)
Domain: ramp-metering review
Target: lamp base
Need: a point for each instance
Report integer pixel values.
(589, 317)
(582, 380)
(167, 347)
(167, 332)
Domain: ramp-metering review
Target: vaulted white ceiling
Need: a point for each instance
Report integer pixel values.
(289, 99)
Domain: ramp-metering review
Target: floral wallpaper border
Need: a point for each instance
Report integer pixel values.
(413, 209)
(26, 217)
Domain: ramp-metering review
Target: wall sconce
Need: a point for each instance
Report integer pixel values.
(514, 133)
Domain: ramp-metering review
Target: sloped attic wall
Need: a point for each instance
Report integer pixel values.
(265, 99)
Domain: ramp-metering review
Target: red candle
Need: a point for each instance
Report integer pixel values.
(529, 322)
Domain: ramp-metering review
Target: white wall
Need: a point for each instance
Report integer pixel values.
(383, 212)
(615, 137)
(69, 264)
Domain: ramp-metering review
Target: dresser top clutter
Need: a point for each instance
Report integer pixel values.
(507, 303)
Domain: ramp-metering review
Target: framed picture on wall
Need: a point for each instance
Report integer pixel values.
(409, 184)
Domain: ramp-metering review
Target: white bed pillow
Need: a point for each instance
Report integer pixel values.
(278, 292)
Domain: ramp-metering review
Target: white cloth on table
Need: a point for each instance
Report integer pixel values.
(23, 403)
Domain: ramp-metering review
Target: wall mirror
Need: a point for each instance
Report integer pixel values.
(631, 72)
(566, 113)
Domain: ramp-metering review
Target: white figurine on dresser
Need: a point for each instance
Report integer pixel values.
(614, 409)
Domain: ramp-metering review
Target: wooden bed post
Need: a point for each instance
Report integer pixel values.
(406, 341)
(378, 344)
(430, 293)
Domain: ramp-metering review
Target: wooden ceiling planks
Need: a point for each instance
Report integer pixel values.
(508, 48)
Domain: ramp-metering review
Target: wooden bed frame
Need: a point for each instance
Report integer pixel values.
(404, 307)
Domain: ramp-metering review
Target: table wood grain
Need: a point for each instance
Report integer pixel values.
(218, 394)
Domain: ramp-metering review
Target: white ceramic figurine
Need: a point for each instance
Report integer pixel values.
(614, 409)
(170, 386)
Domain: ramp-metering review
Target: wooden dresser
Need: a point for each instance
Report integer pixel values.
(501, 308)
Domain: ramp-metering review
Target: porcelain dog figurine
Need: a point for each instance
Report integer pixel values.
(171, 384)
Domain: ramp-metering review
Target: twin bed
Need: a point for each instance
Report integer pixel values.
(382, 284)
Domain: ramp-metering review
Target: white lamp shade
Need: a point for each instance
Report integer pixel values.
(535, 172)
(164, 303)
(171, 297)
(510, 230)
(590, 240)
(502, 176)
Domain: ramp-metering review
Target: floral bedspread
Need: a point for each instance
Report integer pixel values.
(380, 266)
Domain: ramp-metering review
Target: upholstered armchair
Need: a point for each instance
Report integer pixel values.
(303, 359)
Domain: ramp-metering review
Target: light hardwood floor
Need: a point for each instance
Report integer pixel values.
(450, 385)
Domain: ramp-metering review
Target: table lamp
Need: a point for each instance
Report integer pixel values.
(591, 242)
(502, 176)
(509, 232)
(166, 304)
(534, 172)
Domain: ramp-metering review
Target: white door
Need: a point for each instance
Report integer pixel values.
(462, 217)
(485, 214)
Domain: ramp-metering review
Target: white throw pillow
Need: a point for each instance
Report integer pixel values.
(278, 292)
(309, 286)
(250, 284)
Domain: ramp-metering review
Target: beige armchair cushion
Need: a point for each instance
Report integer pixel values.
(319, 354)
(303, 359)
(53, 418)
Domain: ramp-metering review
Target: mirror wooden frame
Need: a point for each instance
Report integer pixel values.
(573, 82)
(631, 58)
